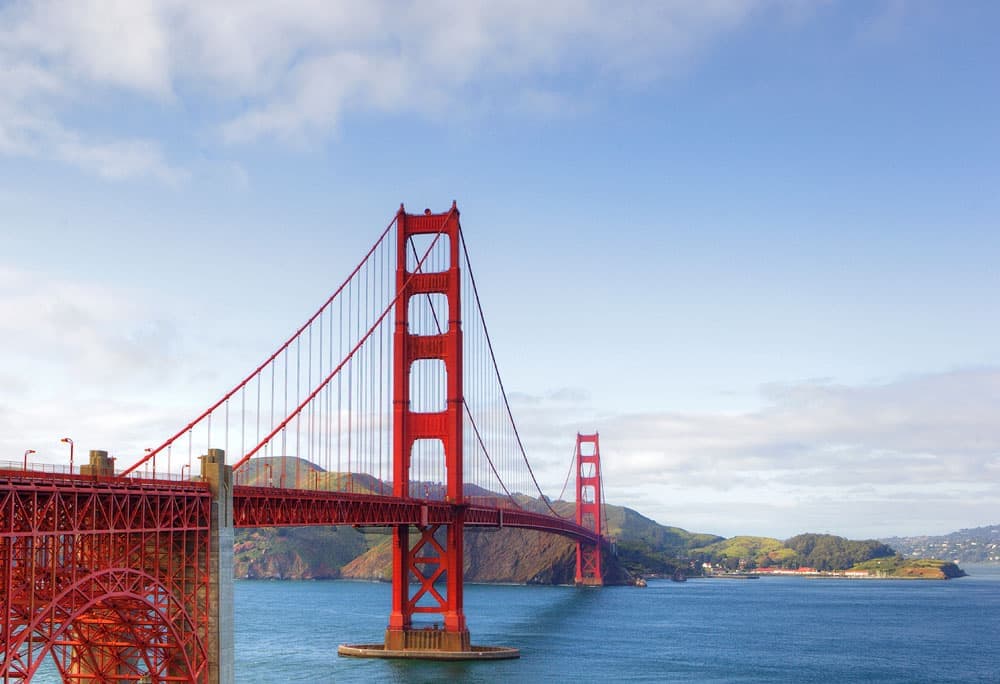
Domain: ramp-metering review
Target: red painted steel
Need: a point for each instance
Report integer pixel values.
(270, 507)
(588, 508)
(110, 577)
(431, 557)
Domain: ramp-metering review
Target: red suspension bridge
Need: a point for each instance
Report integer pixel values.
(386, 408)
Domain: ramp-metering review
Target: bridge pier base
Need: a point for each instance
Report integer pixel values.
(472, 653)
(221, 647)
(427, 640)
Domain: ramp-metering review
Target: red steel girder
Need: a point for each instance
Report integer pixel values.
(271, 506)
(109, 576)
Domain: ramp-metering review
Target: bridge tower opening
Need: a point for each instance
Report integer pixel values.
(433, 557)
(589, 509)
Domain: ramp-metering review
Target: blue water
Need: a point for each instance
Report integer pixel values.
(767, 630)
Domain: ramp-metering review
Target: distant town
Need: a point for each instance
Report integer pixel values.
(718, 570)
(974, 545)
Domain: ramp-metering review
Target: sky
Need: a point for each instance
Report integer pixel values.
(753, 243)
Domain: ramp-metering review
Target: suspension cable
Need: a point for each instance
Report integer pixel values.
(468, 410)
(496, 369)
(604, 503)
(572, 460)
(269, 359)
(378, 321)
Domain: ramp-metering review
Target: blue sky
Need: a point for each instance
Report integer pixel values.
(754, 243)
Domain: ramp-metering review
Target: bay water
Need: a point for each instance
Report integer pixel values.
(704, 630)
(774, 629)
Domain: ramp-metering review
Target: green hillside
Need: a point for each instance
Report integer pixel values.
(750, 552)
(297, 552)
(641, 546)
(820, 551)
(908, 568)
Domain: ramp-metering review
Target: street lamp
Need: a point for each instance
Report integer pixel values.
(67, 440)
(147, 450)
(186, 465)
(26, 452)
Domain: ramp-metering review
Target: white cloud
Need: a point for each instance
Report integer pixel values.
(907, 448)
(122, 43)
(93, 334)
(55, 55)
(116, 159)
(293, 70)
(908, 455)
(88, 361)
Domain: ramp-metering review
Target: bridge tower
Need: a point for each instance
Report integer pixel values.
(436, 552)
(588, 508)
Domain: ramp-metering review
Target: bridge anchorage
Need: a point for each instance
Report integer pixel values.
(127, 576)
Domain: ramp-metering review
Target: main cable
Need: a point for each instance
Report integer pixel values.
(496, 368)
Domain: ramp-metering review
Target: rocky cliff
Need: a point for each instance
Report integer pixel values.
(499, 556)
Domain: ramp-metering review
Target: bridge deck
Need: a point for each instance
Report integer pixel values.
(271, 506)
(277, 507)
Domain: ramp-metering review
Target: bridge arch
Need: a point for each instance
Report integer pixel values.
(124, 593)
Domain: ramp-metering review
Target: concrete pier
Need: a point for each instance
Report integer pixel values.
(99, 464)
(474, 652)
(221, 646)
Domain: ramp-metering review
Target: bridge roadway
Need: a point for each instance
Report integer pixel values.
(255, 506)
(270, 507)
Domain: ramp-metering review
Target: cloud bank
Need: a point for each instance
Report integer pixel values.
(292, 71)
(899, 456)
(912, 454)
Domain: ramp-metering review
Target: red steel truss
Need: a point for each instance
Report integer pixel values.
(268, 507)
(588, 508)
(108, 576)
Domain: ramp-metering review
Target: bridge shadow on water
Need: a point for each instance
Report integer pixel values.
(535, 619)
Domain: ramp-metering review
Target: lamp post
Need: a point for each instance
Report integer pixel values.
(67, 440)
(186, 465)
(26, 452)
(147, 450)
(270, 475)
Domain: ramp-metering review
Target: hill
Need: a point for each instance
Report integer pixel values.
(825, 552)
(641, 545)
(973, 545)
(296, 552)
(822, 553)
(909, 568)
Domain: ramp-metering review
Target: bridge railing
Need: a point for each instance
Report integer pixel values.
(56, 468)
(175, 477)
(64, 469)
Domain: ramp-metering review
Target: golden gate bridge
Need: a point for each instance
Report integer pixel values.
(385, 408)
